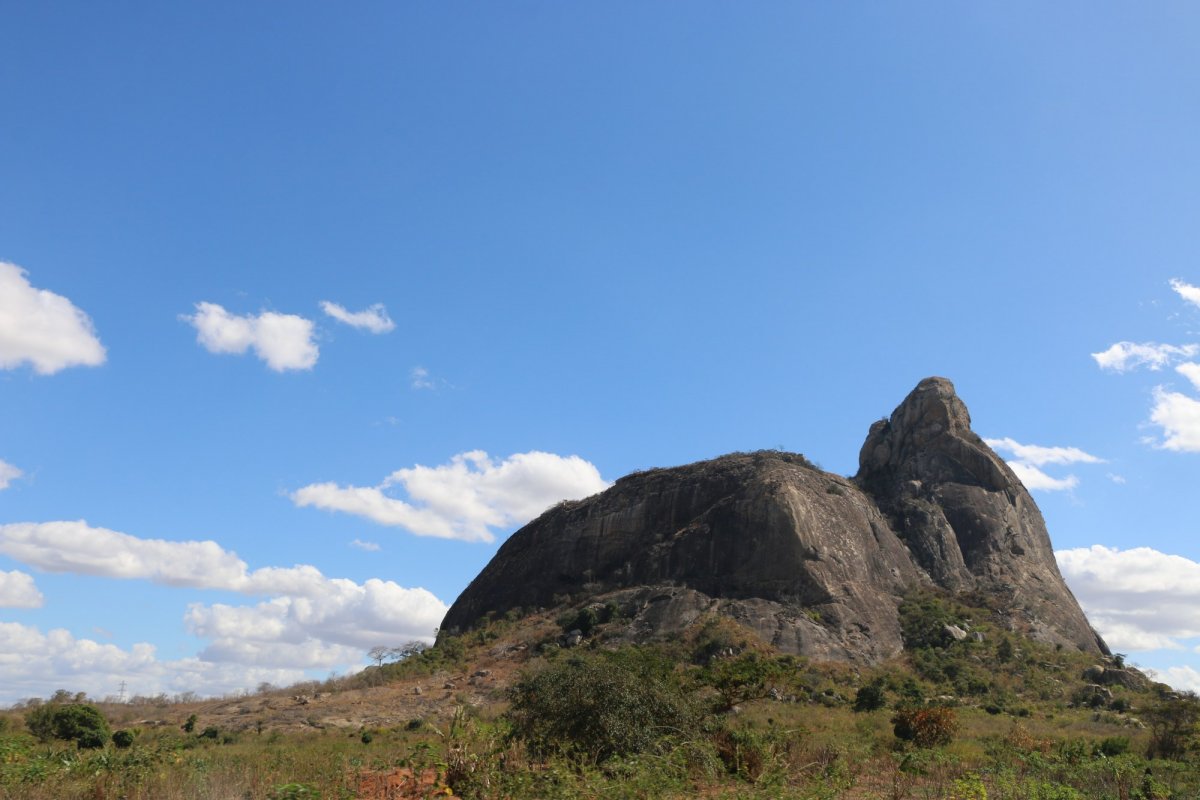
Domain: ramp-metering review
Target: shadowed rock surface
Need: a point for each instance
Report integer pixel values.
(815, 563)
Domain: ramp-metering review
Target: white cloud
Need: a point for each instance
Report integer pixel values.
(1038, 455)
(42, 328)
(76, 547)
(422, 380)
(1183, 678)
(466, 499)
(1124, 356)
(333, 627)
(1028, 458)
(1191, 371)
(370, 547)
(1179, 417)
(374, 319)
(1138, 599)
(283, 341)
(8, 474)
(35, 664)
(332, 620)
(17, 590)
(1037, 481)
(1188, 292)
(1117, 479)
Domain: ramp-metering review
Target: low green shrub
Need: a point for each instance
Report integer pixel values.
(592, 707)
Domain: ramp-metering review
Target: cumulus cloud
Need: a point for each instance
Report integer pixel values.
(1179, 417)
(1189, 293)
(374, 319)
(1038, 455)
(8, 474)
(1124, 356)
(327, 617)
(1037, 481)
(370, 547)
(17, 590)
(41, 328)
(335, 626)
(283, 341)
(1191, 371)
(76, 547)
(1183, 678)
(1138, 599)
(35, 664)
(1029, 458)
(466, 499)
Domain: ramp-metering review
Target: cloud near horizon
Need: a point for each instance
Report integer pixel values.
(1138, 599)
(35, 664)
(332, 619)
(282, 341)
(1029, 458)
(373, 318)
(466, 499)
(41, 328)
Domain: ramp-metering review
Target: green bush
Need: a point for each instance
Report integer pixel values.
(74, 722)
(123, 738)
(592, 707)
(870, 697)
(584, 621)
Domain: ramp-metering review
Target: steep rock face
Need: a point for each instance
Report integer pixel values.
(815, 563)
(966, 518)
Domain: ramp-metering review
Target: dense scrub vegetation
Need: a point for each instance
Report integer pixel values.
(970, 711)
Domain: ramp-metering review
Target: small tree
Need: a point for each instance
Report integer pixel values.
(75, 722)
(406, 650)
(870, 697)
(1173, 726)
(925, 727)
(377, 654)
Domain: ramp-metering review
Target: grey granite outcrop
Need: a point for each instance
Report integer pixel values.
(813, 562)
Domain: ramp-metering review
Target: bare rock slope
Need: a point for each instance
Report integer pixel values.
(815, 563)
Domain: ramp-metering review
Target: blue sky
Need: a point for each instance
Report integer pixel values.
(302, 313)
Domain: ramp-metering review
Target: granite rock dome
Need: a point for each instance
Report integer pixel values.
(815, 563)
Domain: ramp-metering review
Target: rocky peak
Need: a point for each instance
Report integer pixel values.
(929, 438)
(815, 563)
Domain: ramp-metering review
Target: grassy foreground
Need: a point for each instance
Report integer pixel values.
(718, 715)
